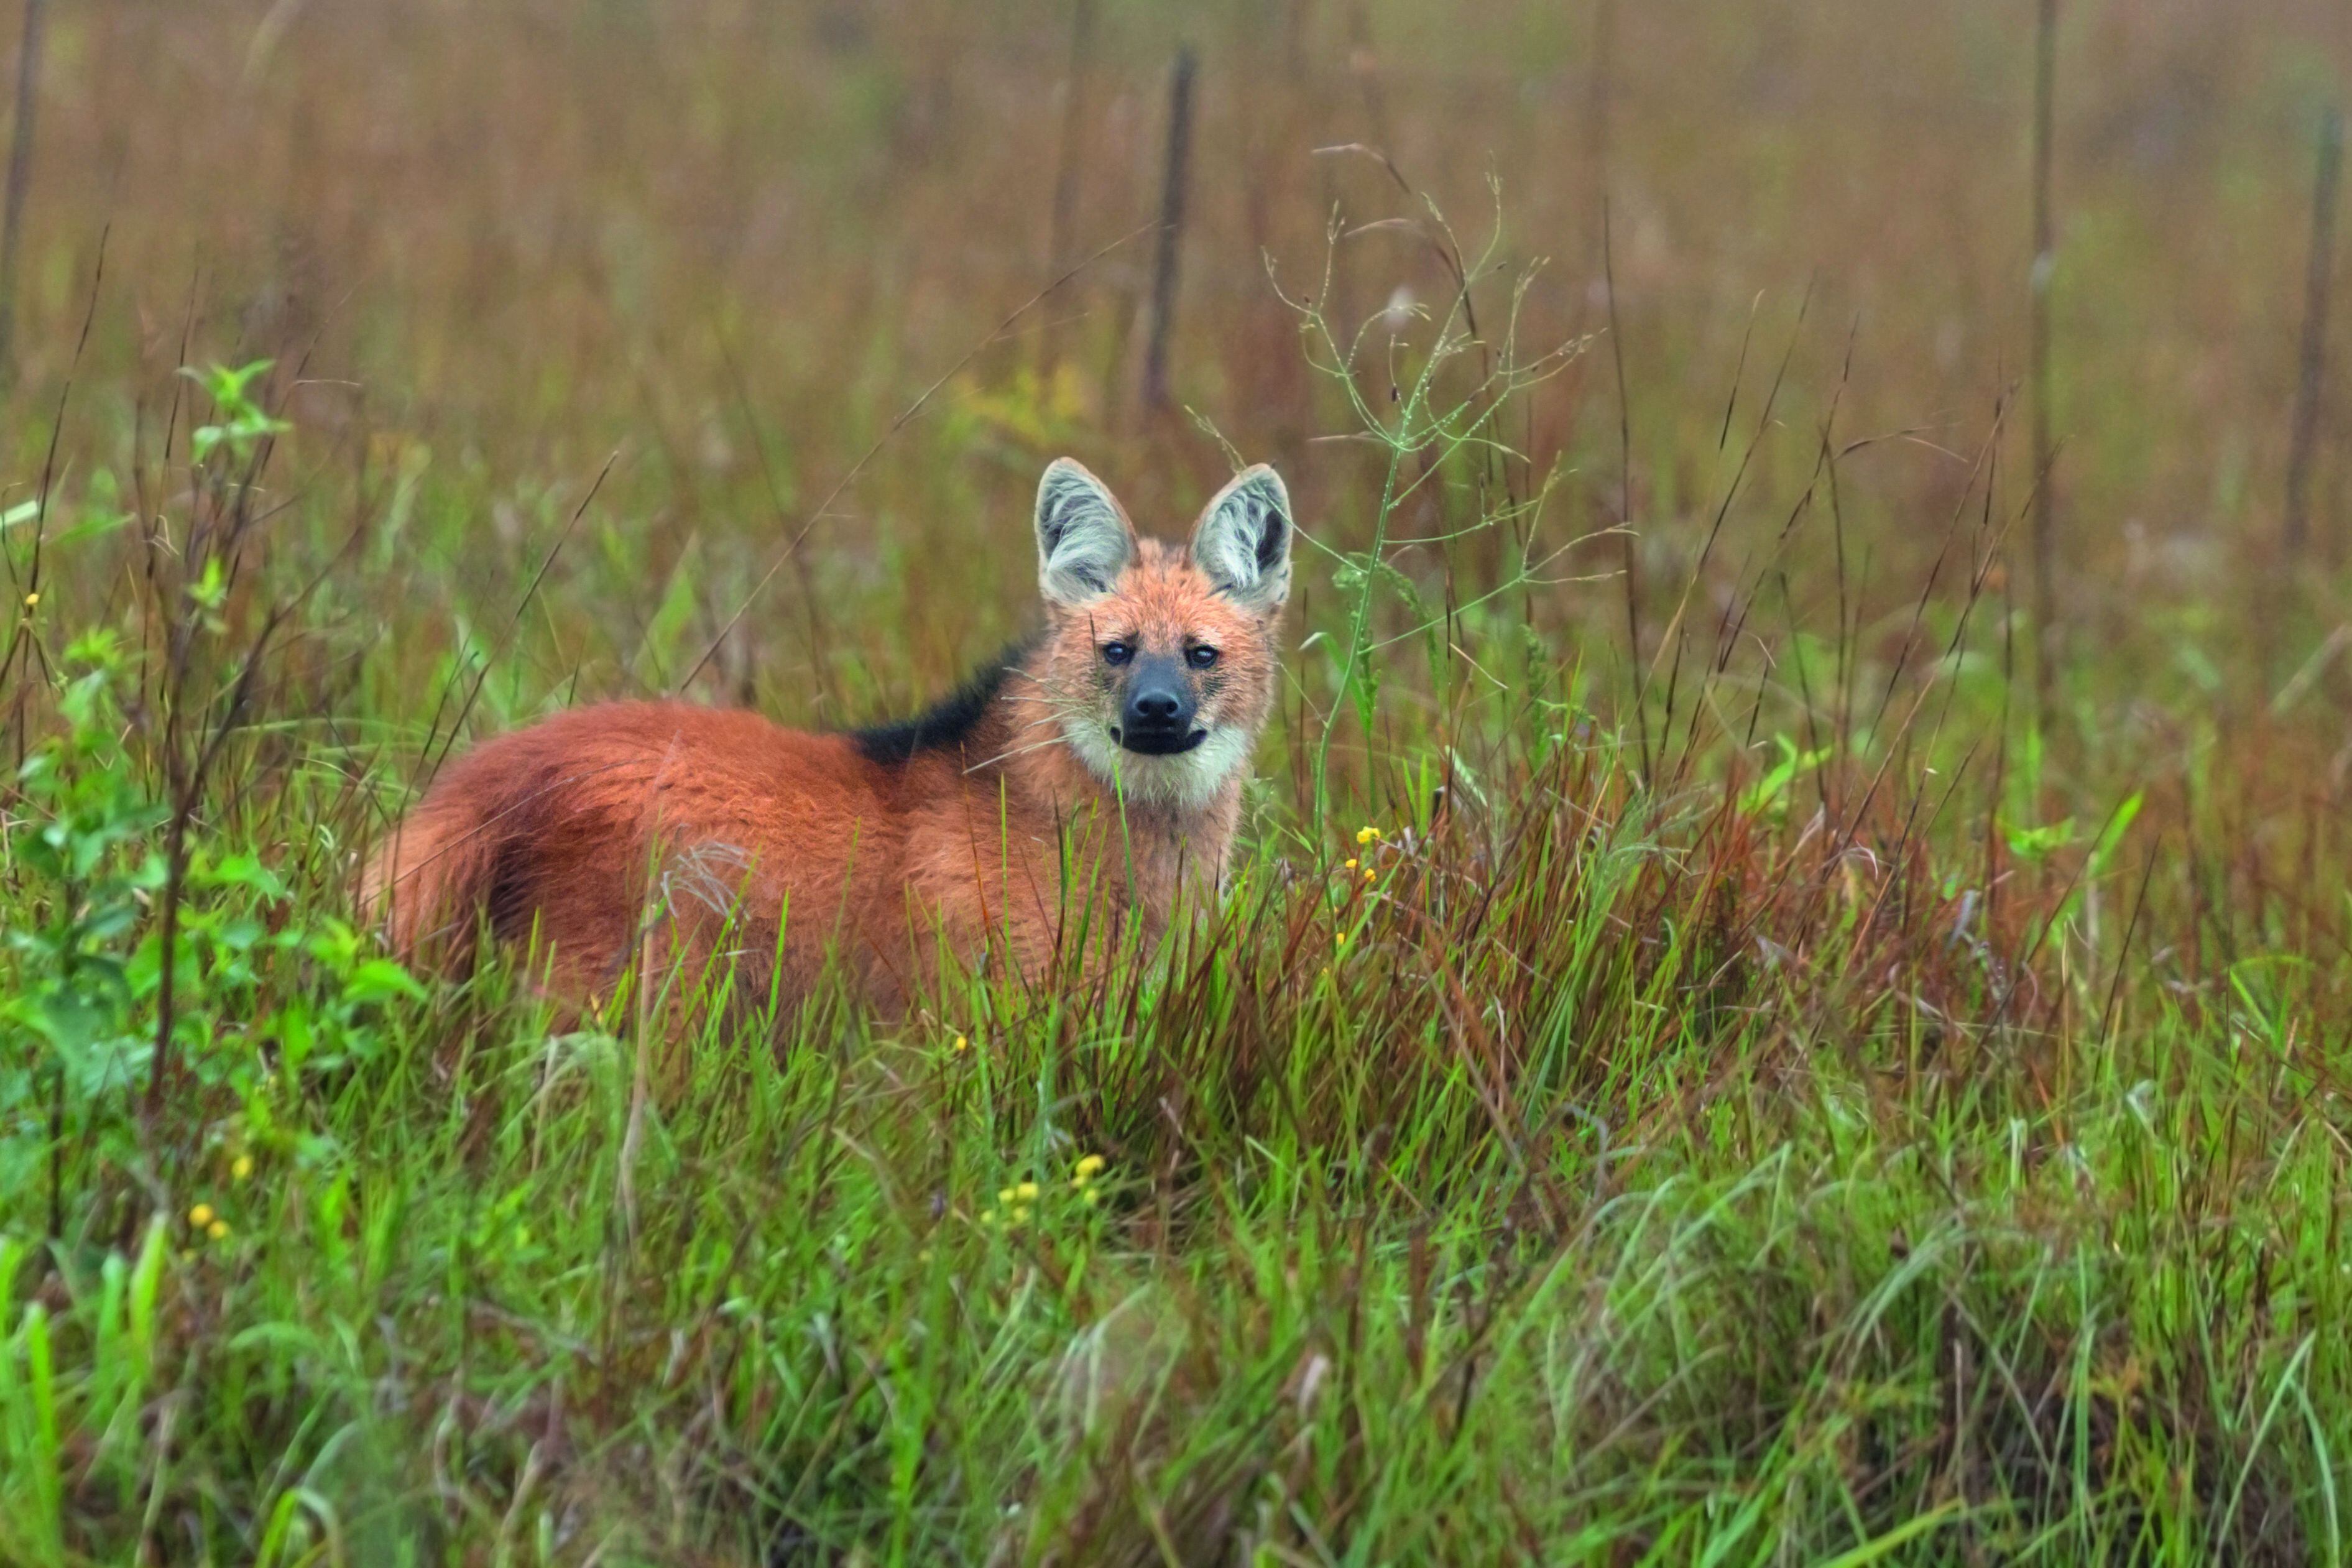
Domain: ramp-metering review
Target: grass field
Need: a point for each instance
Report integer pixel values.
(1735, 1038)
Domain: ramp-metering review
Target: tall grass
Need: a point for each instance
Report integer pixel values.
(1716, 1083)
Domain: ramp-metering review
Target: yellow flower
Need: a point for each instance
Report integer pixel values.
(988, 1216)
(1370, 873)
(1019, 1216)
(1089, 1197)
(1366, 835)
(1088, 1168)
(31, 600)
(1351, 864)
(1004, 1194)
(1026, 1193)
(241, 1167)
(201, 1215)
(217, 1229)
(962, 1044)
(1340, 940)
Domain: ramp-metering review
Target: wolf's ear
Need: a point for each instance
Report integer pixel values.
(1242, 541)
(1083, 540)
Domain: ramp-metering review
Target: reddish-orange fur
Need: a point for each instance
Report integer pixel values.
(653, 831)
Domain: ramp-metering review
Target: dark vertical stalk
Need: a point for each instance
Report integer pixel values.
(176, 864)
(1625, 501)
(1069, 156)
(1598, 91)
(20, 175)
(2045, 544)
(2317, 279)
(1364, 65)
(56, 1153)
(1069, 161)
(1171, 230)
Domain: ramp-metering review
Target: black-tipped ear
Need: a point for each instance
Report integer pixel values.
(1242, 541)
(1083, 540)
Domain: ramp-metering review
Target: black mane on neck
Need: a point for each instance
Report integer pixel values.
(949, 724)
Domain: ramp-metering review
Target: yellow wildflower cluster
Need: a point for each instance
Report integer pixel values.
(202, 1219)
(1016, 1204)
(1013, 1205)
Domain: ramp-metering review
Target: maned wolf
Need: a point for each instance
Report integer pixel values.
(1090, 773)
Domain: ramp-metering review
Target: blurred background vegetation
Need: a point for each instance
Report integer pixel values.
(733, 242)
(1836, 1052)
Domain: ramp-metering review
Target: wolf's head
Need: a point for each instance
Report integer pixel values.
(1161, 664)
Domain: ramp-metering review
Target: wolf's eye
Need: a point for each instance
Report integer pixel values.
(1117, 653)
(1201, 658)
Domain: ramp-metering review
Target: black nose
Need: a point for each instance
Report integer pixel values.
(1158, 713)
